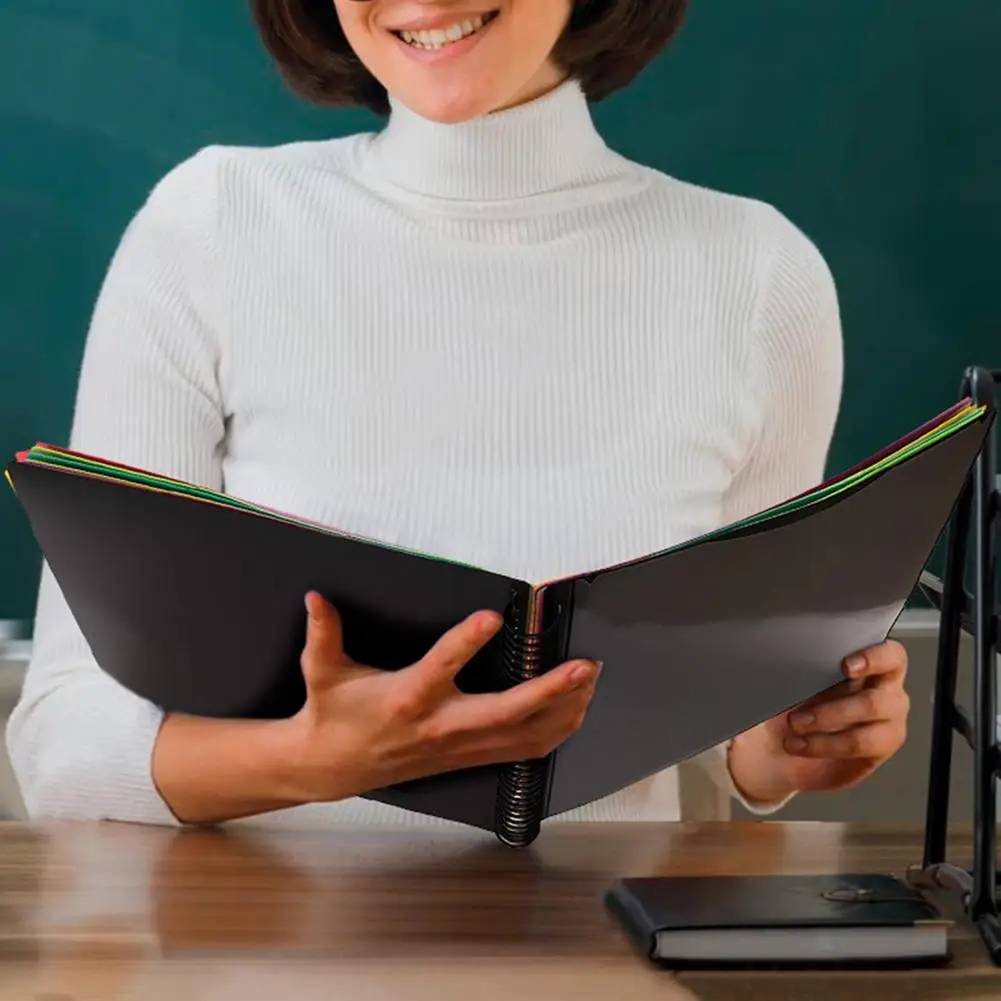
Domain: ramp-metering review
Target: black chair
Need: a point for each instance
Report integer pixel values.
(966, 598)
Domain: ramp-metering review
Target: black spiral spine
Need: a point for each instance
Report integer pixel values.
(523, 787)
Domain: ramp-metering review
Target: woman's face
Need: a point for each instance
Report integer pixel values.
(452, 60)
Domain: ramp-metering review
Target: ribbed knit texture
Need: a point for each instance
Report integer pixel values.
(497, 341)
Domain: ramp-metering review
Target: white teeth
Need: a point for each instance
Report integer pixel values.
(440, 37)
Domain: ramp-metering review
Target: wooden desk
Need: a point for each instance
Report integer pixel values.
(109, 911)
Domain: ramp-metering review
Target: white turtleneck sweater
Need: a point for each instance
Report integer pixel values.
(497, 341)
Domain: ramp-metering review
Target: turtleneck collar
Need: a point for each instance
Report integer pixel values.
(546, 145)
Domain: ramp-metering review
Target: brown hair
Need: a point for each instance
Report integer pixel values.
(605, 45)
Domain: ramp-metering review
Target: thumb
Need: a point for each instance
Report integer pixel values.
(324, 649)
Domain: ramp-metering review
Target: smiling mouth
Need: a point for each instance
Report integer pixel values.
(440, 38)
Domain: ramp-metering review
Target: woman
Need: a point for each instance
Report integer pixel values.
(371, 332)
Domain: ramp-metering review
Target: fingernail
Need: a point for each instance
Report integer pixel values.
(802, 720)
(489, 622)
(795, 744)
(855, 664)
(583, 673)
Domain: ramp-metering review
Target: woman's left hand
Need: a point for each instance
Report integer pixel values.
(831, 742)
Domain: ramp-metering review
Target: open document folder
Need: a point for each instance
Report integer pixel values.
(699, 642)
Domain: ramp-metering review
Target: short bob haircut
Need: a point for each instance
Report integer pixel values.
(605, 45)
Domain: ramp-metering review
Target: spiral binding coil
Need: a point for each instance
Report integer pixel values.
(522, 787)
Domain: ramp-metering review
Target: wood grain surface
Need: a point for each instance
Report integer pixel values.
(109, 911)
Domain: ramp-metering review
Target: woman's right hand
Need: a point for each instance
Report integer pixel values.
(362, 728)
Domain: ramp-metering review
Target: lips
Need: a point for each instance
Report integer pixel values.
(443, 35)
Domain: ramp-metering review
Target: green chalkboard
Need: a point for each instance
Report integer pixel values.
(874, 124)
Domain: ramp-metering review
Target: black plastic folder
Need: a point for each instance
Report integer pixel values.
(194, 601)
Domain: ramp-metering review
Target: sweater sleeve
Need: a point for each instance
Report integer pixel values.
(148, 395)
(796, 371)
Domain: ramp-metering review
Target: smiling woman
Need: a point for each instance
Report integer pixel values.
(369, 332)
(511, 47)
(345, 52)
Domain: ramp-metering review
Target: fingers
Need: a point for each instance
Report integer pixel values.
(865, 718)
(870, 705)
(542, 733)
(574, 680)
(483, 738)
(455, 649)
(873, 741)
(888, 660)
(567, 689)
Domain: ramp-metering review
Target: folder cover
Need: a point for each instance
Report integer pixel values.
(699, 642)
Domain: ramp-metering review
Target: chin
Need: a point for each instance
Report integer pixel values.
(449, 109)
(452, 114)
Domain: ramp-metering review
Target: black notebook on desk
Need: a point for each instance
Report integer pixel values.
(699, 642)
(718, 921)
